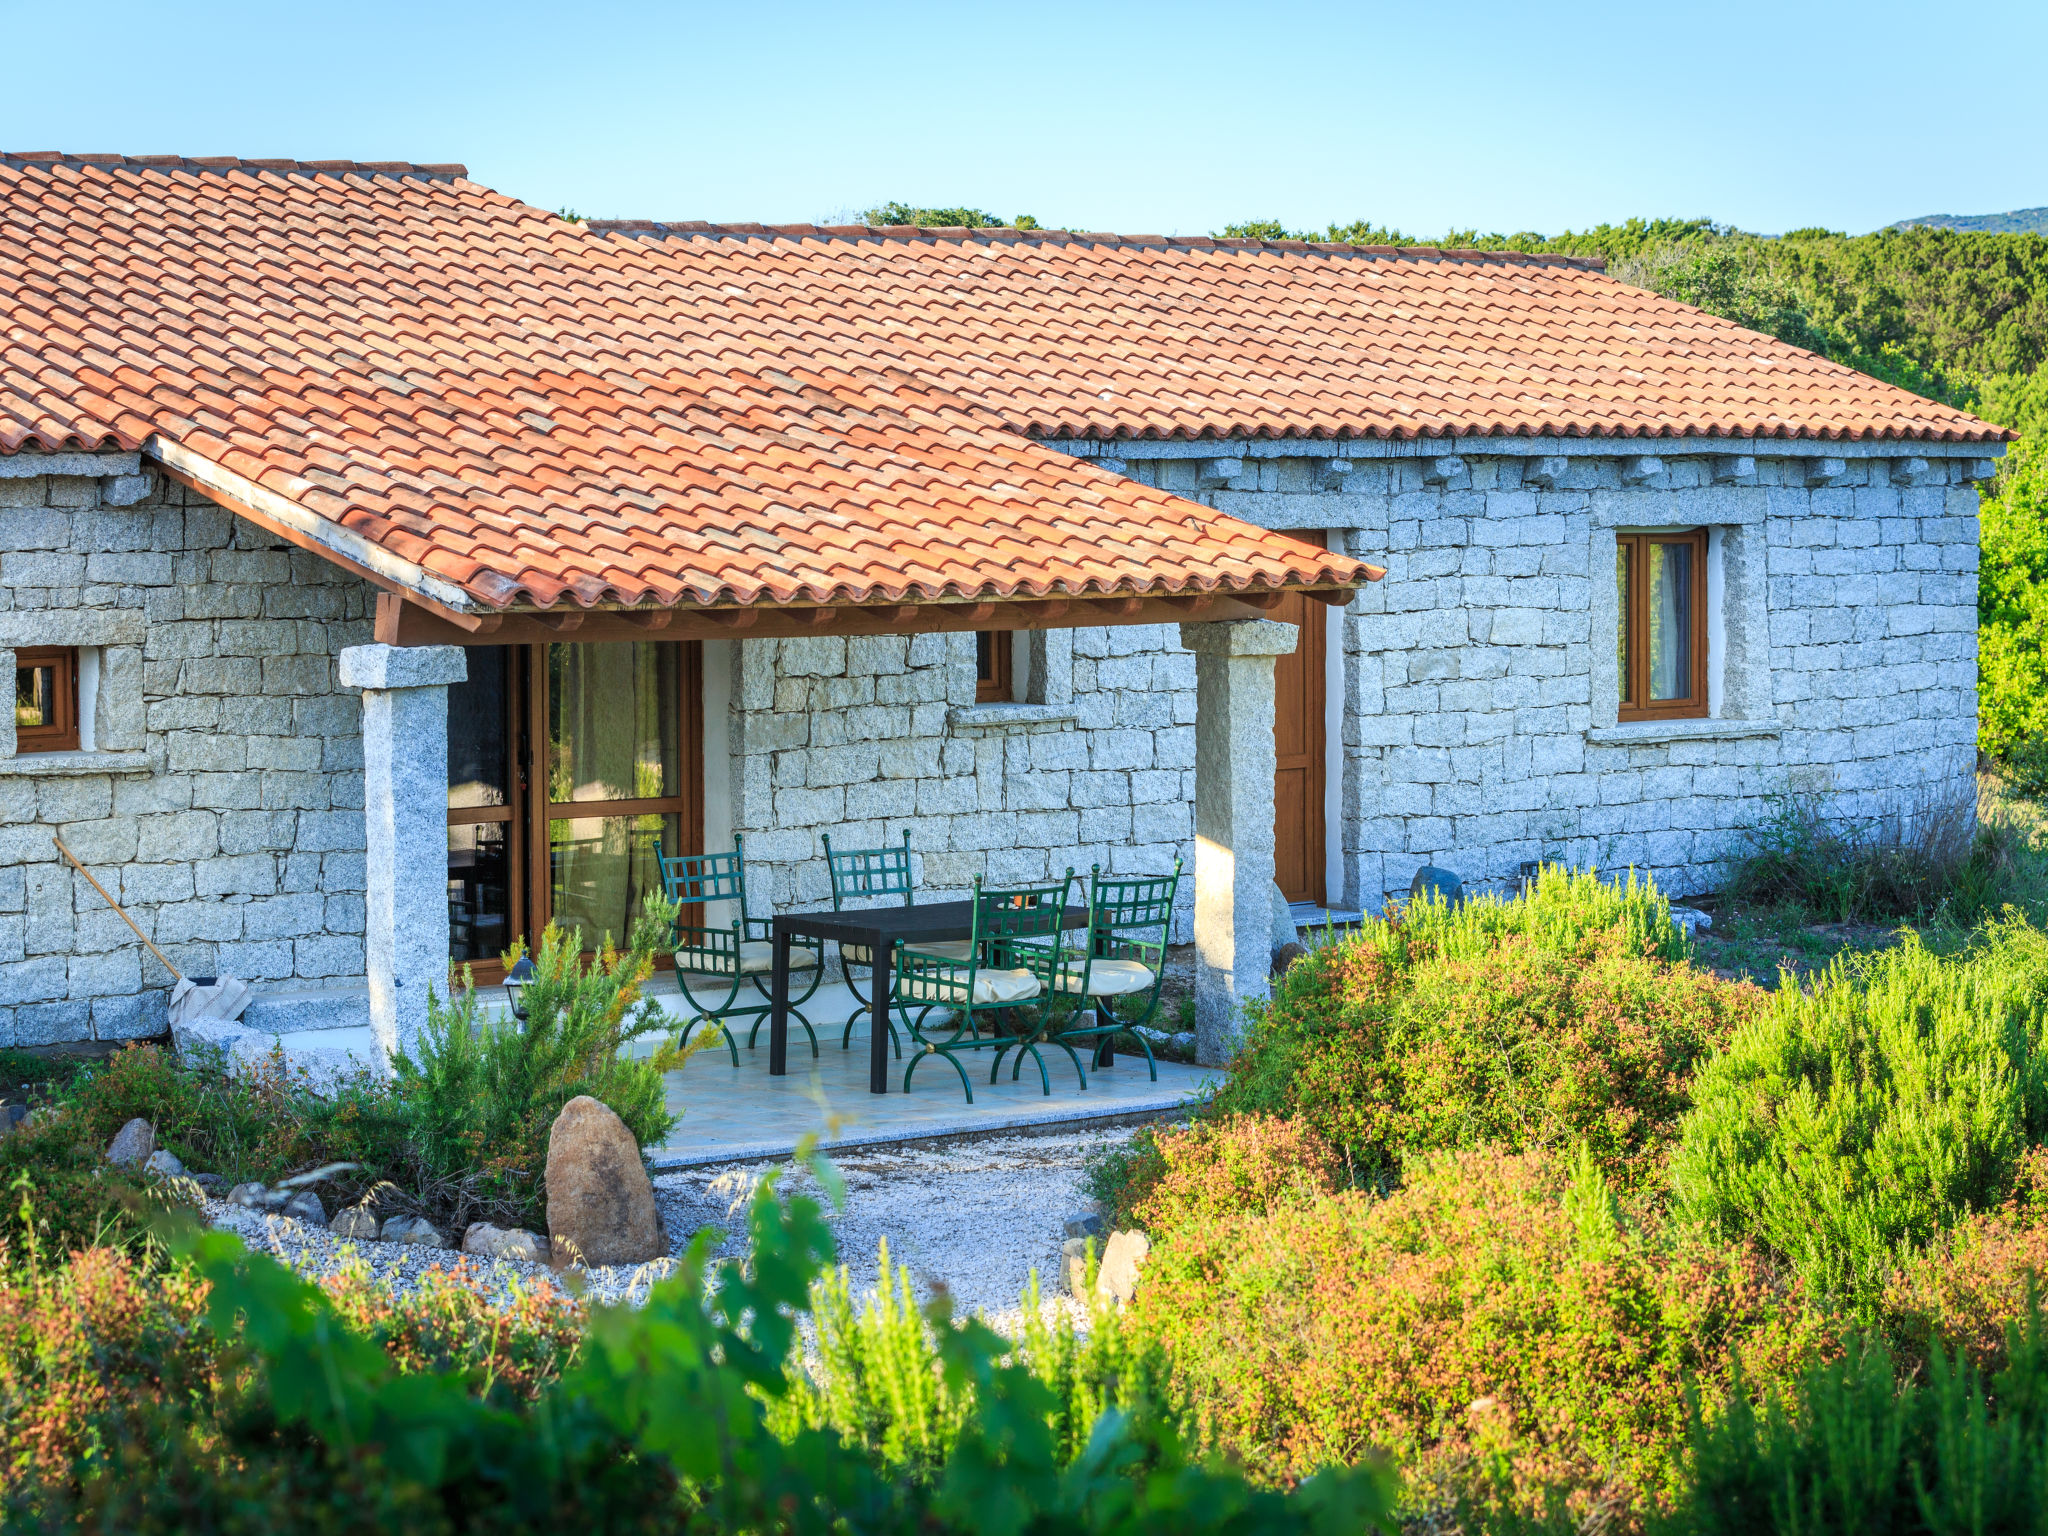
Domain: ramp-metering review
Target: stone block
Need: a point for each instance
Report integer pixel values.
(52, 1023)
(106, 974)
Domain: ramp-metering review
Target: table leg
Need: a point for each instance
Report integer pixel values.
(778, 1015)
(882, 977)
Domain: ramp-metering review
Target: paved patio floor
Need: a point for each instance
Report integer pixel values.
(728, 1115)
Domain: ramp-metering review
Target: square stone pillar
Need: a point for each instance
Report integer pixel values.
(405, 826)
(1234, 765)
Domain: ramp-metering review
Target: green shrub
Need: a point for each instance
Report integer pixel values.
(1499, 1324)
(1847, 1125)
(482, 1094)
(59, 1196)
(246, 1120)
(1555, 1019)
(879, 1377)
(1846, 1449)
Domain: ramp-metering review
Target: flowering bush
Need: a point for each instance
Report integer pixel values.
(1500, 1324)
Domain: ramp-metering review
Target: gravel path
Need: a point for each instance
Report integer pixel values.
(975, 1216)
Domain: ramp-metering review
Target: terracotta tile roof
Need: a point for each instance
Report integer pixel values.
(1076, 335)
(491, 406)
(501, 408)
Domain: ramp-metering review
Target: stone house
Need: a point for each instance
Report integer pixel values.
(384, 564)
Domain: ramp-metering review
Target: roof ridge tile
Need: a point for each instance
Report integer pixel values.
(1011, 234)
(44, 157)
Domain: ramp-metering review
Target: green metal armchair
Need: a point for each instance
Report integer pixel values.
(871, 873)
(740, 954)
(1011, 974)
(1122, 962)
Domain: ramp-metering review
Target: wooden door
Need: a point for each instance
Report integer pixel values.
(1298, 745)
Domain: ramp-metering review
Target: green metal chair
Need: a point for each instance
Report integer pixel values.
(1121, 961)
(741, 954)
(1012, 968)
(871, 873)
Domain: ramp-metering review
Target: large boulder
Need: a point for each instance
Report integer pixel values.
(132, 1144)
(600, 1201)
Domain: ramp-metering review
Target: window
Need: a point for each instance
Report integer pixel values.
(46, 700)
(993, 649)
(1661, 632)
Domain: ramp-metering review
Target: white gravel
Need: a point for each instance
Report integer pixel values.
(976, 1216)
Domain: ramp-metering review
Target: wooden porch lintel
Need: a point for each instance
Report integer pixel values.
(405, 623)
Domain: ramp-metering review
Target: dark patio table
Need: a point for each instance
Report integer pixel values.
(879, 929)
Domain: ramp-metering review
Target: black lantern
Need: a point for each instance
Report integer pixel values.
(516, 981)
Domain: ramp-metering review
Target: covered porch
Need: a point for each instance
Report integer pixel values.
(406, 680)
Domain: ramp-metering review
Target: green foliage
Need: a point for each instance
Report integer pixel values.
(1848, 1124)
(662, 1422)
(1910, 864)
(483, 1094)
(893, 213)
(880, 1381)
(2012, 611)
(1548, 1019)
(1504, 1325)
(58, 1196)
(1844, 1449)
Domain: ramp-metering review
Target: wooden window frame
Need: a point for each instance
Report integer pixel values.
(995, 681)
(1635, 622)
(60, 735)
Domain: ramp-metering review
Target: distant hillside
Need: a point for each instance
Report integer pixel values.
(2024, 221)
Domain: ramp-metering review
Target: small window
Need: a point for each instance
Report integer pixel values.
(46, 700)
(992, 655)
(1661, 633)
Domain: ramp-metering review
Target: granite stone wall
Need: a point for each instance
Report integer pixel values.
(1480, 698)
(860, 737)
(221, 795)
(221, 798)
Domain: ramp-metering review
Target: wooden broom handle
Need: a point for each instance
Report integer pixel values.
(117, 907)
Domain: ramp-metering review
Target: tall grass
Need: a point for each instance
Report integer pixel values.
(1850, 1450)
(1847, 1124)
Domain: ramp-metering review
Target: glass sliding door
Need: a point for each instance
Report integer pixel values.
(617, 780)
(565, 764)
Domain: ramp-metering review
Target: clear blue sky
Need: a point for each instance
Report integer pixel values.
(1136, 117)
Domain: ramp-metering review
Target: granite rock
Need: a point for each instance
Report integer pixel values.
(358, 1224)
(601, 1208)
(1122, 1260)
(487, 1241)
(416, 1230)
(132, 1144)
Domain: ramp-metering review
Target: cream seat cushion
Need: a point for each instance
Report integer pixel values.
(992, 989)
(757, 958)
(1109, 978)
(952, 949)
